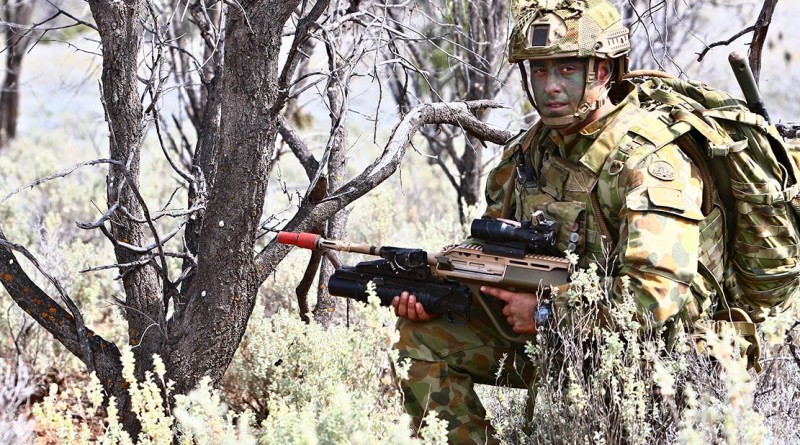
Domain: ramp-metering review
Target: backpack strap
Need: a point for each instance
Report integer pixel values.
(719, 142)
(524, 140)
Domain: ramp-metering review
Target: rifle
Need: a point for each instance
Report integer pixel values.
(744, 76)
(499, 254)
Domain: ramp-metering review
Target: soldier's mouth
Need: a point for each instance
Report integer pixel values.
(555, 106)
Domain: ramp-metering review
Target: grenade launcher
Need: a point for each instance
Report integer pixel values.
(499, 254)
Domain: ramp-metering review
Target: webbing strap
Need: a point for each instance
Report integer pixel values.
(700, 125)
(659, 91)
(719, 144)
(508, 187)
(736, 114)
(706, 273)
(525, 80)
(780, 196)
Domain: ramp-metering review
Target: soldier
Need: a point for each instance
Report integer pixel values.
(594, 165)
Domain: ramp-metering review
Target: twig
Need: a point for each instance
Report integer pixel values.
(708, 47)
(60, 174)
(99, 222)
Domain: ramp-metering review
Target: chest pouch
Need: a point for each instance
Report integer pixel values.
(561, 195)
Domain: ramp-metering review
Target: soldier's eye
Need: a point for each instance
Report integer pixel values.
(538, 70)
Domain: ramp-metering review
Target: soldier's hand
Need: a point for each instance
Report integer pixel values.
(406, 306)
(518, 309)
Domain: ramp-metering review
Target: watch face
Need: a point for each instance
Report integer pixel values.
(543, 314)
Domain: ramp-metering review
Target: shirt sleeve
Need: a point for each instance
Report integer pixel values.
(659, 233)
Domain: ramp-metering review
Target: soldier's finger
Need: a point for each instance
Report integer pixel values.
(411, 308)
(422, 314)
(507, 310)
(497, 293)
(402, 305)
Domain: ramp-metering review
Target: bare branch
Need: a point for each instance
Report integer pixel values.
(460, 113)
(60, 174)
(298, 147)
(300, 36)
(733, 38)
(99, 222)
(80, 328)
(760, 36)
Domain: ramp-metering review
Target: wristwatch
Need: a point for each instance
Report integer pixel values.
(543, 314)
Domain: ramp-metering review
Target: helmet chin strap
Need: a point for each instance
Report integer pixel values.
(584, 109)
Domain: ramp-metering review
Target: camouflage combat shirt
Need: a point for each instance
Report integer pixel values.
(649, 193)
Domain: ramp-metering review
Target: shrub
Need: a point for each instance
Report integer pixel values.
(15, 388)
(320, 386)
(604, 383)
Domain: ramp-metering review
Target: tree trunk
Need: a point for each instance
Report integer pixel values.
(473, 169)
(119, 24)
(9, 98)
(17, 43)
(223, 292)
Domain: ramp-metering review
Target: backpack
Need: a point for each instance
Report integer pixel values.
(757, 181)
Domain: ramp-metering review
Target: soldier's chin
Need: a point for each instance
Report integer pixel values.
(560, 122)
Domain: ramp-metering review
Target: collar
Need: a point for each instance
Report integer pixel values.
(592, 145)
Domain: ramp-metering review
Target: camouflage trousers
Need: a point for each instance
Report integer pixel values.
(447, 361)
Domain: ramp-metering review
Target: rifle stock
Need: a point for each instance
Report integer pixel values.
(445, 282)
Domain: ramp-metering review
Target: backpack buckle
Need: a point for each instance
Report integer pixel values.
(713, 150)
(719, 150)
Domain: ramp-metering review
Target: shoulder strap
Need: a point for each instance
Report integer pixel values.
(508, 187)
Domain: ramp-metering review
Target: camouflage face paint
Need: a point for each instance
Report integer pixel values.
(558, 85)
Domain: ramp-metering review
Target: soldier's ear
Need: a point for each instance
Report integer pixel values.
(604, 69)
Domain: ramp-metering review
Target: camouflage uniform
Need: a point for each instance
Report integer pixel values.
(650, 194)
(447, 360)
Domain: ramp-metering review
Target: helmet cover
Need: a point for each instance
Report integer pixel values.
(547, 29)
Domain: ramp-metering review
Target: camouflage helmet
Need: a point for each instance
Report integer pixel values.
(547, 29)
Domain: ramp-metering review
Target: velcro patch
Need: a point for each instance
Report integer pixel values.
(666, 197)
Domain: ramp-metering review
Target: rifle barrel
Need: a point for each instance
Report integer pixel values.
(312, 241)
